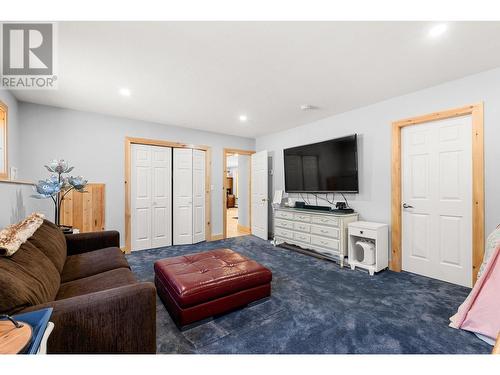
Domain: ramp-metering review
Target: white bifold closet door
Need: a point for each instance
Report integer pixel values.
(189, 196)
(151, 196)
(198, 196)
(183, 196)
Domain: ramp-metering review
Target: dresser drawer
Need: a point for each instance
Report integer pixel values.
(302, 227)
(284, 215)
(302, 237)
(325, 231)
(283, 233)
(368, 233)
(324, 220)
(302, 217)
(325, 242)
(283, 223)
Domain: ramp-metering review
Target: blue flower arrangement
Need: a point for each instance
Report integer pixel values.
(57, 186)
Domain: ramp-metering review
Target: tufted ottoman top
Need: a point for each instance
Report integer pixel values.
(196, 278)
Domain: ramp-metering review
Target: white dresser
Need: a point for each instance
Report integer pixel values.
(321, 232)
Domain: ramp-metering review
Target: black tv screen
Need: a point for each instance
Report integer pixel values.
(330, 166)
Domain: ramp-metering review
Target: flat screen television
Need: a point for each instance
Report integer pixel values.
(324, 167)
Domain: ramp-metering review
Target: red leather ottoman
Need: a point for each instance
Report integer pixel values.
(196, 286)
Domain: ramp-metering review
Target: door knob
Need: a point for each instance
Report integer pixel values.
(407, 206)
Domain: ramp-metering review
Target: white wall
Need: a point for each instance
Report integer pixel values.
(94, 145)
(243, 190)
(15, 201)
(372, 123)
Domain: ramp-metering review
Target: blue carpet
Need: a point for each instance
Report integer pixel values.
(316, 307)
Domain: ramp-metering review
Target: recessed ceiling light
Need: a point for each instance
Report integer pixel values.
(308, 107)
(125, 92)
(438, 30)
(243, 118)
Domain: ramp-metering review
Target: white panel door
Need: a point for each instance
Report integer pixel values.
(151, 196)
(259, 202)
(437, 200)
(198, 196)
(141, 198)
(183, 196)
(161, 205)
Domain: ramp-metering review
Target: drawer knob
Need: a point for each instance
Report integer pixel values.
(361, 232)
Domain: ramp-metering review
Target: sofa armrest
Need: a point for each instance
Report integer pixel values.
(119, 320)
(84, 242)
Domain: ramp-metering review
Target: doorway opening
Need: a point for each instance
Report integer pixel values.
(236, 193)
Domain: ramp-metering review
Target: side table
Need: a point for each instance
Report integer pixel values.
(35, 324)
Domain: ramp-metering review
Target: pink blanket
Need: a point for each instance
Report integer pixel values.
(480, 312)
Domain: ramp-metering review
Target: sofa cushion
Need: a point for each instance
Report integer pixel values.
(51, 241)
(96, 283)
(12, 237)
(27, 278)
(91, 263)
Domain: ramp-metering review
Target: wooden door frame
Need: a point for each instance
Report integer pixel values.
(156, 142)
(225, 153)
(476, 112)
(5, 108)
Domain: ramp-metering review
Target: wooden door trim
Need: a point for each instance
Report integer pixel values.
(225, 153)
(164, 143)
(4, 175)
(476, 111)
(496, 349)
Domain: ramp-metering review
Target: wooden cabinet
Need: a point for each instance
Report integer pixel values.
(230, 197)
(85, 211)
(229, 185)
(231, 201)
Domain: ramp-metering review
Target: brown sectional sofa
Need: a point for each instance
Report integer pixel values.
(99, 306)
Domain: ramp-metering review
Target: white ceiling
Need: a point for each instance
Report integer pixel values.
(203, 75)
